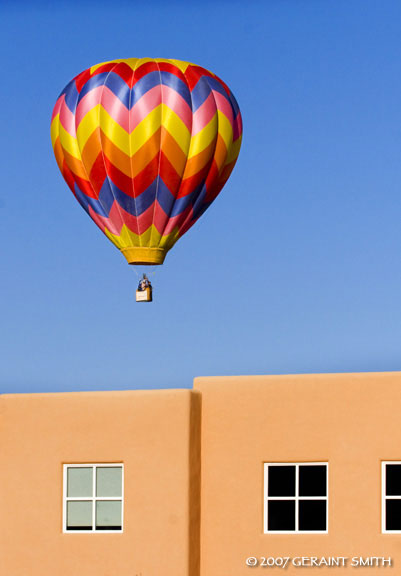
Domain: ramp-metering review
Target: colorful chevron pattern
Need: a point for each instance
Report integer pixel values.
(146, 145)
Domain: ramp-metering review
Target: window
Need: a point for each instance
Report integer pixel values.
(296, 498)
(391, 497)
(93, 498)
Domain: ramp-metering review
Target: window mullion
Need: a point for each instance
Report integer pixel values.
(65, 492)
(94, 499)
(79, 498)
(296, 497)
(266, 499)
(313, 497)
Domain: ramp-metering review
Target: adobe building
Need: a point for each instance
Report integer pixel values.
(239, 476)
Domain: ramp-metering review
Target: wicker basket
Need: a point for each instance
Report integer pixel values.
(144, 295)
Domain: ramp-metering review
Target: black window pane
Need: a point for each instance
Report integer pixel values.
(312, 480)
(312, 515)
(281, 515)
(393, 514)
(393, 479)
(281, 481)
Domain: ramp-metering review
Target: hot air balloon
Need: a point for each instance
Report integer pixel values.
(146, 145)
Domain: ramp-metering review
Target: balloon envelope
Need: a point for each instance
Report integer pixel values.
(146, 145)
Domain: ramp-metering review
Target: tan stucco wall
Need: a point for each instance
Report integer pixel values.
(352, 421)
(155, 434)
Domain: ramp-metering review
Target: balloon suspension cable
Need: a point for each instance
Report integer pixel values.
(150, 270)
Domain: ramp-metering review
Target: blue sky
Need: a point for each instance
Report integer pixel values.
(295, 268)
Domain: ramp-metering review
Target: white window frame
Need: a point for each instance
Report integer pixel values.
(92, 498)
(295, 498)
(385, 497)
